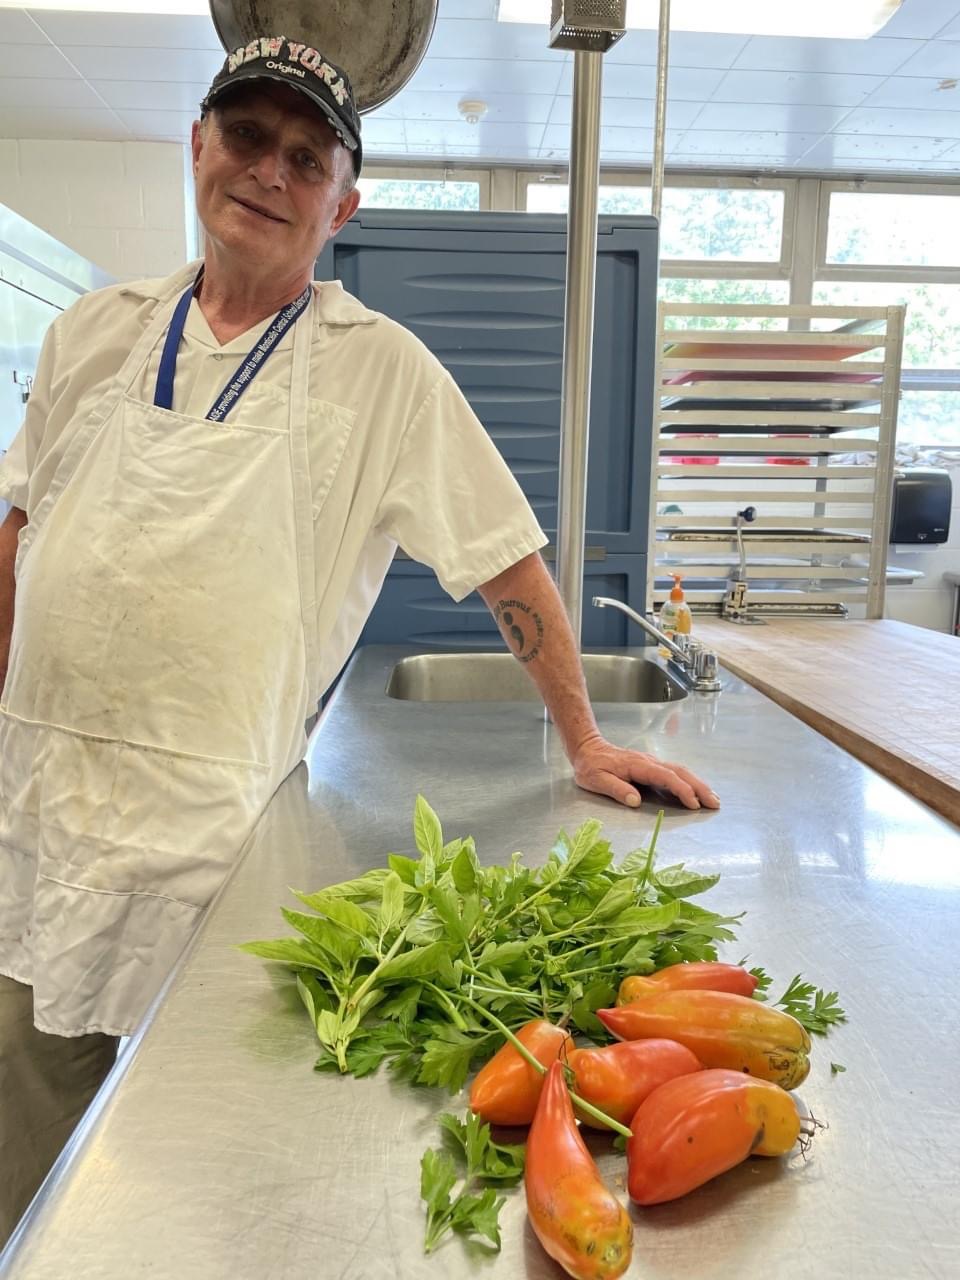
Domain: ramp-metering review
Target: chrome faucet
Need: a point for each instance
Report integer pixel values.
(694, 665)
(734, 606)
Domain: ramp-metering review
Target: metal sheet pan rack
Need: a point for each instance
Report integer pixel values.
(790, 411)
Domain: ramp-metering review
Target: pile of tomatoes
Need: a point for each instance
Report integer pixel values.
(700, 1074)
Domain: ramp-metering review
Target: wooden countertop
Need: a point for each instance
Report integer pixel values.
(887, 692)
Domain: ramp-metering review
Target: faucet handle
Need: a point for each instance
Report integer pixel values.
(706, 664)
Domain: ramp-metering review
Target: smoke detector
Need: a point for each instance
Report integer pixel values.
(472, 109)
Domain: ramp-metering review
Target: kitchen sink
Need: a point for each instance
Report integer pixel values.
(499, 677)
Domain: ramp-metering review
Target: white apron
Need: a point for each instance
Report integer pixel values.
(162, 663)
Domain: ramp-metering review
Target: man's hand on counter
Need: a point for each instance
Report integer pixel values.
(529, 612)
(612, 771)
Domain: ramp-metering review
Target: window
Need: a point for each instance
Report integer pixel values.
(711, 224)
(690, 289)
(888, 229)
(417, 193)
(932, 332)
(931, 341)
(886, 243)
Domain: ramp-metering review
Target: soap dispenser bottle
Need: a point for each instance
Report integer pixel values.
(675, 616)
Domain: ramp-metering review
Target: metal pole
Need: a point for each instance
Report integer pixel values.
(578, 333)
(660, 125)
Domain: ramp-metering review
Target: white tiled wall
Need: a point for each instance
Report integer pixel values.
(126, 206)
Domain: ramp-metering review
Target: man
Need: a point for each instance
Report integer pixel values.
(196, 552)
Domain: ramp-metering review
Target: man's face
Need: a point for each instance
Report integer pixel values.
(270, 176)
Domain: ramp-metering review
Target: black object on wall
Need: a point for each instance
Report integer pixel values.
(922, 497)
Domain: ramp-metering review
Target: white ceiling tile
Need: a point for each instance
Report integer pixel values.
(687, 49)
(187, 66)
(371, 153)
(459, 38)
(953, 154)
(17, 27)
(129, 30)
(921, 19)
(939, 58)
(155, 95)
(504, 108)
(56, 123)
(471, 77)
(635, 142)
(915, 92)
(639, 142)
(685, 84)
(783, 117)
(702, 49)
(41, 92)
(468, 9)
(846, 148)
(632, 113)
(863, 57)
(744, 145)
(795, 86)
(392, 110)
(880, 120)
(388, 132)
(637, 48)
(170, 126)
(471, 138)
(34, 60)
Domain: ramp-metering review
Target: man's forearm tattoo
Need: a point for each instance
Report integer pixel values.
(523, 627)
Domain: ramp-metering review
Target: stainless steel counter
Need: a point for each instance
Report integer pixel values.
(215, 1152)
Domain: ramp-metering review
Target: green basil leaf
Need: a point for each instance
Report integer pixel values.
(342, 912)
(342, 947)
(391, 903)
(289, 951)
(427, 834)
(419, 963)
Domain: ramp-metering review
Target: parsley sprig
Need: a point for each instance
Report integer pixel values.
(813, 1008)
(475, 1208)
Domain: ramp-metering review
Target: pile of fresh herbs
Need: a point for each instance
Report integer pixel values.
(406, 964)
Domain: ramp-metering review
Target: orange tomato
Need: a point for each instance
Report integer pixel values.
(695, 1127)
(581, 1224)
(506, 1089)
(722, 1029)
(618, 1078)
(697, 975)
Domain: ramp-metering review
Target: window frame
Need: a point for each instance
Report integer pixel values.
(421, 173)
(878, 272)
(722, 268)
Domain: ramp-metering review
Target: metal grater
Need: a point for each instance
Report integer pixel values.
(592, 26)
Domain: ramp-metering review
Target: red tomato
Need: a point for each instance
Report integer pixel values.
(506, 1089)
(695, 1127)
(618, 1078)
(722, 1029)
(579, 1222)
(698, 975)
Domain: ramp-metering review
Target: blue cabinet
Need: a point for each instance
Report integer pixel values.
(485, 292)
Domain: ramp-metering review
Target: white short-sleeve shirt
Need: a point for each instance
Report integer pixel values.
(397, 456)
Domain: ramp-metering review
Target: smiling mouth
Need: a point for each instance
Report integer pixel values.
(253, 208)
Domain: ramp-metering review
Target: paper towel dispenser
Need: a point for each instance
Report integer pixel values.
(922, 497)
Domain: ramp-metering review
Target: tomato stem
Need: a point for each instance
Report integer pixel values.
(525, 1053)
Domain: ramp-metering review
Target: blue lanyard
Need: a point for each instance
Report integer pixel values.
(246, 372)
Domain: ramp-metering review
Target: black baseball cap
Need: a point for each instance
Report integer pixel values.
(302, 67)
